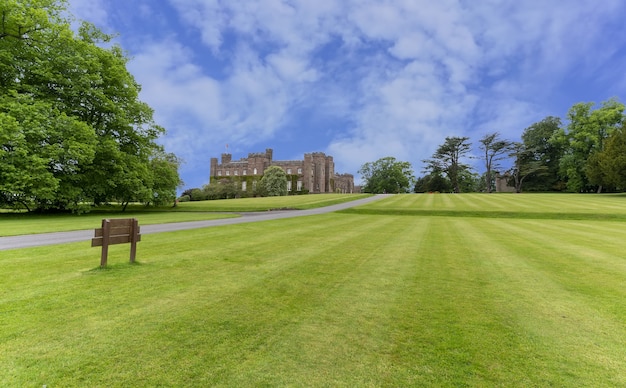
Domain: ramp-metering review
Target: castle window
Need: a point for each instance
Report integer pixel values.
(255, 171)
(299, 186)
(245, 172)
(288, 185)
(288, 171)
(299, 171)
(236, 172)
(227, 173)
(243, 186)
(219, 173)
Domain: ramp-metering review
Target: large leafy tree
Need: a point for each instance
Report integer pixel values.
(585, 135)
(74, 130)
(448, 159)
(274, 182)
(41, 152)
(612, 159)
(494, 150)
(387, 175)
(539, 160)
(164, 169)
(432, 183)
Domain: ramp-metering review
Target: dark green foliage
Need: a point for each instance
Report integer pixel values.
(611, 161)
(387, 175)
(433, 183)
(494, 150)
(539, 155)
(448, 160)
(585, 135)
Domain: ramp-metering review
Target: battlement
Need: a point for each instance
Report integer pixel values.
(315, 173)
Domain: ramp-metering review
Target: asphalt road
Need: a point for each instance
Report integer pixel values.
(34, 240)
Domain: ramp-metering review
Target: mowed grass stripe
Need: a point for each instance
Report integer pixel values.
(586, 259)
(566, 305)
(521, 206)
(347, 339)
(509, 319)
(459, 329)
(509, 202)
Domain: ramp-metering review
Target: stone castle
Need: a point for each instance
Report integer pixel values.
(314, 174)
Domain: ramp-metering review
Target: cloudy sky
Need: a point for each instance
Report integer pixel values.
(359, 79)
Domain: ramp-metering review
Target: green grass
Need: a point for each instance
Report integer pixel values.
(331, 300)
(18, 224)
(524, 206)
(300, 202)
(12, 224)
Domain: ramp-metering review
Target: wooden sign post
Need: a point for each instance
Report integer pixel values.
(117, 231)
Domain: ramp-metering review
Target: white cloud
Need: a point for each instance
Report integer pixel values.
(93, 11)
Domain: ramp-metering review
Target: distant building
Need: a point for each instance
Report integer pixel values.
(314, 174)
(502, 184)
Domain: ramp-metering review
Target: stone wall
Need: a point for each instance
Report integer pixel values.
(315, 173)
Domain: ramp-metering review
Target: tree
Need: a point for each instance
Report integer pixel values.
(539, 148)
(612, 159)
(495, 149)
(585, 135)
(387, 175)
(165, 179)
(73, 129)
(448, 159)
(274, 181)
(524, 164)
(432, 183)
(470, 181)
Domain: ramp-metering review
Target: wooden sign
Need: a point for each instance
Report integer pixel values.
(117, 231)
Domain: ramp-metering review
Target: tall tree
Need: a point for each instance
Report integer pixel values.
(494, 150)
(540, 149)
(387, 175)
(524, 164)
(165, 178)
(585, 134)
(448, 159)
(612, 159)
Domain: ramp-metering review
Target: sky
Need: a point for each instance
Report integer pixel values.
(359, 79)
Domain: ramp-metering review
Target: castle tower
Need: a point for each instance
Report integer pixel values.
(213, 170)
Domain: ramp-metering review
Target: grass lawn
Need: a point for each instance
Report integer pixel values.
(330, 300)
(13, 224)
(300, 202)
(23, 223)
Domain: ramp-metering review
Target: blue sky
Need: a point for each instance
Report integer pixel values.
(359, 79)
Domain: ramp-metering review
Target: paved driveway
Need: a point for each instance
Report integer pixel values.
(33, 240)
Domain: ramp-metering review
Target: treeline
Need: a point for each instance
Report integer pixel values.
(73, 132)
(587, 153)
